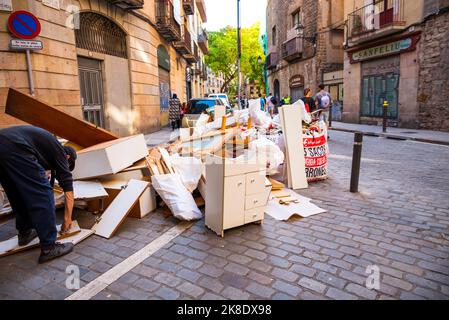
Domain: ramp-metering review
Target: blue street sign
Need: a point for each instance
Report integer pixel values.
(24, 25)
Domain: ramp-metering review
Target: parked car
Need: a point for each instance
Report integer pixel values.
(222, 96)
(196, 107)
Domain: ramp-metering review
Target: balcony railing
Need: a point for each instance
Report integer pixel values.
(184, 46)
(372, 17)
(192, 56)
(204, 73)
(272, 60)
(292, 49)
(189, 7)
(166, 24)
(203, 42)
(128, 4)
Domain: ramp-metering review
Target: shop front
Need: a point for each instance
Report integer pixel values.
(386, 71)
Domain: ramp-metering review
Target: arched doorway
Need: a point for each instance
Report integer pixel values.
(277, 90)
(104, 73)
(163, 59)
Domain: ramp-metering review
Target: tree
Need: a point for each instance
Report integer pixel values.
(222, 57)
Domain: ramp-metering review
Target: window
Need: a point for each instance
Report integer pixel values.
(296, 18)
(274, 36)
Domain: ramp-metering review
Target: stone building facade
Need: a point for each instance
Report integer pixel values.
(396, 51)
(114, 63)
(433, 90)
(305, 46)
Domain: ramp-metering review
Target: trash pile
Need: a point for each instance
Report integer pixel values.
(116, 178)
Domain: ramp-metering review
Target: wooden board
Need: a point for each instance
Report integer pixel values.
(38, 113)
(109, 157)
(292, 128)
(88, 190)
(117, 211)
(167, 160)
(11, 246)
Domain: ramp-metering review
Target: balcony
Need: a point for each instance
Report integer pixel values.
(189, 7)
(127, 4)
(166, 24)
(272, 60)
(292, 49)
(192, 57)
(203, 42)
(184, 46)
(204, 73)
(202, 9)
(376, 20)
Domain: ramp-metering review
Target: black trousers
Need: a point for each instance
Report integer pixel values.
(29, 192)
(175, 124)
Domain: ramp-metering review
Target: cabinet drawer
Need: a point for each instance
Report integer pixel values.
(254, 215)
(255, 182)
(255, 201)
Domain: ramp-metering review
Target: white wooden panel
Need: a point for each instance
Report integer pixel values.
(234, 201)
(109, 157)
(214, 197)
(292, 128)
(255, 182)
(88, 190)
(119, 208)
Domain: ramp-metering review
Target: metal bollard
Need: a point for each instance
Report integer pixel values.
(385, 116)
(330, 116)
(356, 159)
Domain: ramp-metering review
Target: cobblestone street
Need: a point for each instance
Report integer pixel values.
(399, 222)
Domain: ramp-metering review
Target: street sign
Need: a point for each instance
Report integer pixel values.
(24, 25)
(18, 44)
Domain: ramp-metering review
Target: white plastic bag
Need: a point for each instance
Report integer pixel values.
(176, 196)
(189, 169)
(270, 151)
(260, 118)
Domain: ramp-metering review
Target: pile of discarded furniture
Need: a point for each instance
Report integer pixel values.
(222, 163)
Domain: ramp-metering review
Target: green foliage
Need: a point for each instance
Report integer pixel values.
(222, 55)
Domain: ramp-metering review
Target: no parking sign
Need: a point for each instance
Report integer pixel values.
(24, 25)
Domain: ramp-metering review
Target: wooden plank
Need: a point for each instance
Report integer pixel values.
(167, 160)
(88, 190)
(11, 245)
(109, 157)
(38, 113)
(117, 211)
(292, 128)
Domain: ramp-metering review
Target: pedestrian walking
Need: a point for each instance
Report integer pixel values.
(26, 153)
(323, 101)
(271, 101)
(309, 102)
(263, 103)
(175, 112)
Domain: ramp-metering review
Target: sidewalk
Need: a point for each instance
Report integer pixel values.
(435, 137)
(163, 136)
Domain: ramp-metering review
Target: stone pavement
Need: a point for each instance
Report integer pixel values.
(398, 222)
(437, 137)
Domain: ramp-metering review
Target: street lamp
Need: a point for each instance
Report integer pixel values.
(259, 60)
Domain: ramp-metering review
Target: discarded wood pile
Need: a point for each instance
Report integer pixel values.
(116, 178)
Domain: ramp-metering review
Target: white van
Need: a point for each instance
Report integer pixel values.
(222, 96)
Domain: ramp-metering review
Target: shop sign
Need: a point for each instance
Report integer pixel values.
(5, 5)
(386, 49)
(297, 81)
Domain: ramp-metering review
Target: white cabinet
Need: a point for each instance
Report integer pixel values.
(237, 193)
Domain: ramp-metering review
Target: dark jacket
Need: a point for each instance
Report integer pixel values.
(45, 147)
(310, 101)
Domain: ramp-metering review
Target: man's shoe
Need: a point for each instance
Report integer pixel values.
(58, 250)
(26, 237)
